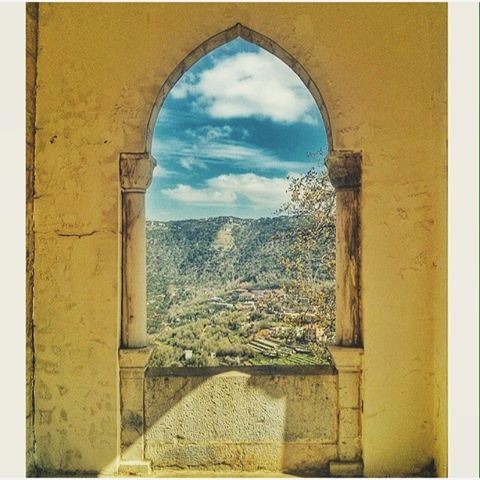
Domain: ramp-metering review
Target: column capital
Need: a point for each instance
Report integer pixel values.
(136, 170)
(134, 357)
(344, 168)
(347, 359)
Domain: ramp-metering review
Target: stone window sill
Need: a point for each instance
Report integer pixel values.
(274, 370)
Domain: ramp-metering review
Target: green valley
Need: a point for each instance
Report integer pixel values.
(222, 291)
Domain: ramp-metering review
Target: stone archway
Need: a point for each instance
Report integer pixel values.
(237, 31)
(136, 169)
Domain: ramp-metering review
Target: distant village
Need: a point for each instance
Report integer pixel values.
(287, 323)
(219, 294)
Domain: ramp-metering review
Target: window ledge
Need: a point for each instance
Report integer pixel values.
(274, 370)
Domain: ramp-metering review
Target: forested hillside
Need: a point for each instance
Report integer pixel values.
(202, 274)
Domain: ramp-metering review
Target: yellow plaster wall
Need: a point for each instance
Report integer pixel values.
(439, 259)
(30, 77)
(381, 69)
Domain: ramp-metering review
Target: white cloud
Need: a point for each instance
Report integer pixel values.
(188, 194)
(231, 189)
(240, 154)
(250, 85)
(159, 171)
(191, 162)
(208, 133)
(183, 87)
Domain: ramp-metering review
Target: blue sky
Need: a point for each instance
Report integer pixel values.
(228, 135)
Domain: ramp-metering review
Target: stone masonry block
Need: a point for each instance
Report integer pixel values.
(132, 394)
(346, 469)
(349, 449)
(349, 390)
(133, 451)
(132, 467)
(349, 423)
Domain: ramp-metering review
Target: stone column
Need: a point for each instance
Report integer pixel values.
(135, 176)
(344, 170)
(132, 378)
(348, 362)
(136, 171)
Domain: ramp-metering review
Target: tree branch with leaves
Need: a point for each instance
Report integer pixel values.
(311, 265)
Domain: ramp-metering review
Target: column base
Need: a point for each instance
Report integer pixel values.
(134, 467)
(346, 469)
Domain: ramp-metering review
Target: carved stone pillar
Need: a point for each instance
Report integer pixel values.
(135, 176)
(348, 362)
(136, 171)
(344, 170)
(132, 378)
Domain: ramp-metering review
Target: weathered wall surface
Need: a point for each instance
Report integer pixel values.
(31, 73)
(439, 262)
(381, 69)
(241, 421)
